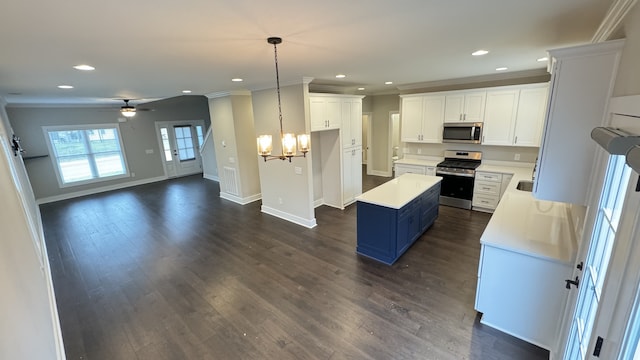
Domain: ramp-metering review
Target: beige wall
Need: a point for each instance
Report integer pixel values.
(29, 328)
(246, 144)
(381, 106)
(285, 193)
(628, 80)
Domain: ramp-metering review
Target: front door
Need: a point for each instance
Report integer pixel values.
(180, 142)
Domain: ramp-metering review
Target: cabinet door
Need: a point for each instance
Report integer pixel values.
(346, 132)
(532, 106)
(454, 107)
(356, 121)
(474, 104)
(500, 115)
(411, 119)
(433, 117)
(334, 113)
(352, 174)
(413, 169)
(317, 113)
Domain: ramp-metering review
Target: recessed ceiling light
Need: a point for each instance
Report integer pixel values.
(543, 59)
(502, 68)
(480, 52)
(341, 76)
(236, 80)
(186, 91)
(360, 88)
(65, 87)
(388, 82)
(84, 67)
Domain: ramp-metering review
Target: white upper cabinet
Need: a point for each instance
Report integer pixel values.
(581, 84)
(465, 106)
(421, 118)
(351, 129)
(325, 112)
(500, 116)
(532, 107)
(514, 115)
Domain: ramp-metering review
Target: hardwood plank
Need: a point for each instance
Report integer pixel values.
(170, 271)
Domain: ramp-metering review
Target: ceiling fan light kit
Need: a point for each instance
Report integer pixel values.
(127, 110)
(290, 143)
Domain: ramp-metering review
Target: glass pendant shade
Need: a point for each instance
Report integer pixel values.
(289, 144)
(304, 143)
(128, 112)
(265, 145)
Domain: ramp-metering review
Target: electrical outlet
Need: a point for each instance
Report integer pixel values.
(406, 150)
(298, 170)
(419, 151)
(516, 157)
(280, 201)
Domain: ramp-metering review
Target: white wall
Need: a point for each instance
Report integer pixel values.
(285, 193)
(208, 154)
(29, 326)
(628, 79)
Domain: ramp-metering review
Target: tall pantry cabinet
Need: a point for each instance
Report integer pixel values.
(337, 147)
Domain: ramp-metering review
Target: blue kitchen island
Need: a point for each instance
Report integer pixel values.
(392, 216)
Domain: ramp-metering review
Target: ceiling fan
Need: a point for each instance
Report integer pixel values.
(129, 110)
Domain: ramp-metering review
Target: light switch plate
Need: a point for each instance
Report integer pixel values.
(298, 170)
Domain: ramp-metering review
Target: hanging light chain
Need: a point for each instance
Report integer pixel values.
(275, 55)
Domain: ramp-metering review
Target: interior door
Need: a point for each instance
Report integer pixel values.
(180, 142)
(596, 263)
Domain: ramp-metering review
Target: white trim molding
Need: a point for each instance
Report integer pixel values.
(240, 200)
(612, 20)
(76, 194)
(221, 94)
(308, 223)
(625, 105)
(211, 177)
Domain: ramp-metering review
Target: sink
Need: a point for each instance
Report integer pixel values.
(525, 185)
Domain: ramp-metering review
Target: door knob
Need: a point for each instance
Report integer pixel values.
(580, 266)
(570, 282)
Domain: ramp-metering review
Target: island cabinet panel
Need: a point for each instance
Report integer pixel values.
(385, 233)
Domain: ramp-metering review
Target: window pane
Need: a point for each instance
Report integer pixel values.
(109, 164)
(75, 168)
(165, 144)
(200, 135)
(87, 154)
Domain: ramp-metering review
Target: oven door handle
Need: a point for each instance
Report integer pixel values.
(438, 172)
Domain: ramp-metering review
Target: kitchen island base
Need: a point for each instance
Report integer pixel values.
(385, 233)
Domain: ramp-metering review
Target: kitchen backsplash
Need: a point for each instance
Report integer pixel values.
(497, 153)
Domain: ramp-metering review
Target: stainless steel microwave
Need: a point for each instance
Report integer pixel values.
(462, 132)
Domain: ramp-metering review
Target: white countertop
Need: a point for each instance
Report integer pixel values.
(423, 161)
(398, 192)
(524, 224)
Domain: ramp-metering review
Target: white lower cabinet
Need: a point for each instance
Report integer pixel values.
(522, 295)
(414, 169)
(487, 190)
(351, 174)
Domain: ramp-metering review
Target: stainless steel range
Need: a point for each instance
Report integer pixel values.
(458, 171)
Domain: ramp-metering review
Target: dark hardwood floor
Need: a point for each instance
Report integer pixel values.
(171, 271)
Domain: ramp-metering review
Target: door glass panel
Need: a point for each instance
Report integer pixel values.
(200, 135)
(598, 256)
(185, 143)
(165, 144)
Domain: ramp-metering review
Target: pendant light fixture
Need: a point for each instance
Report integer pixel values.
(290, 144)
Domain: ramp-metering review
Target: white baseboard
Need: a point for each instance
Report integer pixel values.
(76, 194)
(240, 200)
(380, 173)
(211, 177)
(318, 202)
(308, 223)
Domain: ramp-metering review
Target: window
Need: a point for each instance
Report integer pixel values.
(86, 154)
(200, 135)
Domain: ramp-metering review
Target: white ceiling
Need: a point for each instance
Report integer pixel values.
(149, 49)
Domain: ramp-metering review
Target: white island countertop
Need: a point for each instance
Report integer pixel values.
(398, 192)
(524, 224)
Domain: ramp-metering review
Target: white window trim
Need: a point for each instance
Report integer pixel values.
(54, 161)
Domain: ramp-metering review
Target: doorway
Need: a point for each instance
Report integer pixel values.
(180, 143)
(366, 140)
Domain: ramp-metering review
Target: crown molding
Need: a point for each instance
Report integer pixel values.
(612, 20)
(220, 94)
(514, 75)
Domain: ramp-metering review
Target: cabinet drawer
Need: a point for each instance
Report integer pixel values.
(485, 176)
(485, 201)
(487, 188)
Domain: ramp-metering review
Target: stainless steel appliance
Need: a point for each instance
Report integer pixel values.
(462, 132)
(458, 171)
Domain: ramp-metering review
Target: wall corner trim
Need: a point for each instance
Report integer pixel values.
(240, 200)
